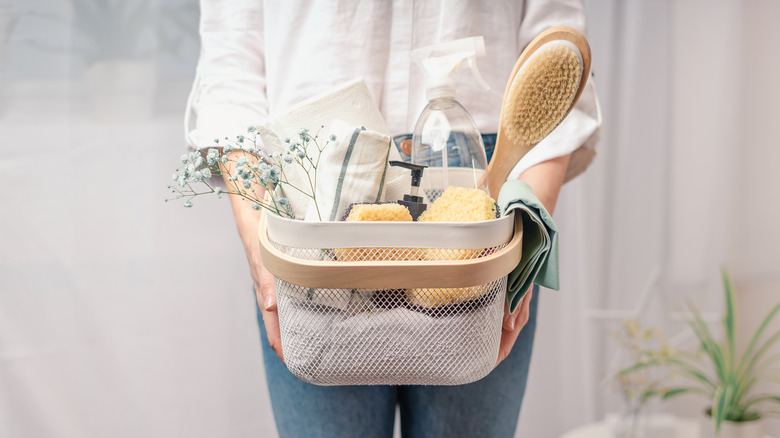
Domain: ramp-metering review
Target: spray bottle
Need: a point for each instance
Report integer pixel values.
(445, 138)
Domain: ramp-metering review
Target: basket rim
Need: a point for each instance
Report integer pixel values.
(340, 234)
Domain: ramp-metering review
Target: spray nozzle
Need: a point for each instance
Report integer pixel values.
(439, 60)
(413, 201)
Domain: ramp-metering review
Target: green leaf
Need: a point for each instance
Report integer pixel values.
(744, 383)
(762, 398)
(693, 373)
(750, 366)
(748, 355)
(729, 321)
(674, 392)
(719, 406)
(710, 345)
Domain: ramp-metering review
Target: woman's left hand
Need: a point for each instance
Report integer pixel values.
(513, 323)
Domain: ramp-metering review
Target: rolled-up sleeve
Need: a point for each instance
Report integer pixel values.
(229, 90)
(579, 132)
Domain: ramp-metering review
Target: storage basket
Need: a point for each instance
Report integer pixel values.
(390, 303)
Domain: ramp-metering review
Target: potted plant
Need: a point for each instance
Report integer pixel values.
(723, 375)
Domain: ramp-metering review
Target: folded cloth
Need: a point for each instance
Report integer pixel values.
(351, 170)
(351, 102)
(539, 262)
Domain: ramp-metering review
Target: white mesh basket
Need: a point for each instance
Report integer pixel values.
(390, 303)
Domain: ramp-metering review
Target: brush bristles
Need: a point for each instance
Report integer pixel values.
(540, 96)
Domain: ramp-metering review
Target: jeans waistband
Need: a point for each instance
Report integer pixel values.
(488, 139)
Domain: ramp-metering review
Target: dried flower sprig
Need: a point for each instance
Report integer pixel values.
(251, 171)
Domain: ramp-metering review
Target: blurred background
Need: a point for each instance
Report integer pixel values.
(124, 316)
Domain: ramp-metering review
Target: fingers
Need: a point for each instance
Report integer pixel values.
(266, 299)
(513, 323)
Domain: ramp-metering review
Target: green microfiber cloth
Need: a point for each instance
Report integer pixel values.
(539, 262)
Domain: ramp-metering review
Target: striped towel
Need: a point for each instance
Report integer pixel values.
(352, 169)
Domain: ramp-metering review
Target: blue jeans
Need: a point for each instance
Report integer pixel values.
(487, 408)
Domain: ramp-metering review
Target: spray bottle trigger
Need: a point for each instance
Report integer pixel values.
(473, 65)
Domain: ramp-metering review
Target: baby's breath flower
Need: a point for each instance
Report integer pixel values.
(253, 165)
(332, 137)
(212, 156)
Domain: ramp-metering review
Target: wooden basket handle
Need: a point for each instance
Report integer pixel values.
(390, 274)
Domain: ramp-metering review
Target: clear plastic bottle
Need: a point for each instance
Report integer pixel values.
(445, 137)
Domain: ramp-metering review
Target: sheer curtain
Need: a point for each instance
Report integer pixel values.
(124, 316)
(684, 183)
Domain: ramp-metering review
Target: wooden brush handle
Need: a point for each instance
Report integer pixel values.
(506, 153)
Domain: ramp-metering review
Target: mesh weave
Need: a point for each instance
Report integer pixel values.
(418, 336)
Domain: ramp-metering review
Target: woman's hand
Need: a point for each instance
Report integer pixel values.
(545, 180)
(513, 323)
(247, 220)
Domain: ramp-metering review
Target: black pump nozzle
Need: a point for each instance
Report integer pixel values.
(412, 201)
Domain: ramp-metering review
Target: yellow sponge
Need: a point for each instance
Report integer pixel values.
(456, 204)
(376, 212)
(435, 297)
(460, 204)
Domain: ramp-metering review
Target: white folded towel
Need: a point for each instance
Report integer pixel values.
(350, 103)
(352, 169)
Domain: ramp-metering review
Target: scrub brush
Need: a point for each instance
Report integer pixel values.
(544, 86)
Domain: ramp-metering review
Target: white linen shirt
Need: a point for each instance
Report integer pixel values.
(261, 57)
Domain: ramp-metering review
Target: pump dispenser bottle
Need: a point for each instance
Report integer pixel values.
(445, 138)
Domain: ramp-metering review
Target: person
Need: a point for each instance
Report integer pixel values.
(260, 57)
